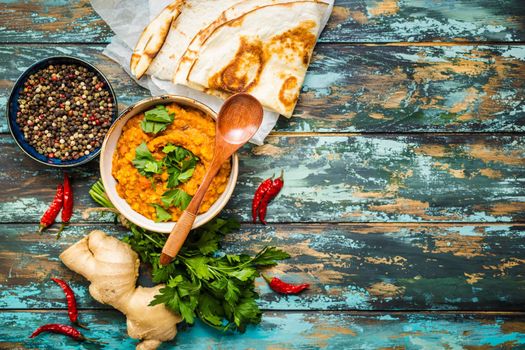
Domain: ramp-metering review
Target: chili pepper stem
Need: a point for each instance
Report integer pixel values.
(78, 324)
(64, 224)
(91, 340)
(267, 278)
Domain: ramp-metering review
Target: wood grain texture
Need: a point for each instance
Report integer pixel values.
(287, 331)
(362, 88)
(351, 21)
(340, 178)
(349, 267)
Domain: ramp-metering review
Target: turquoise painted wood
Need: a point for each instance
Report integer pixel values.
(337, 178)
(352, 88)
(349, 267)
(352, 21)
(293, 331)
(404, 185)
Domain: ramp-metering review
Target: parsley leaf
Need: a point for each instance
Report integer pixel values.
(169, 148)
(269, 256)
(180, 164)
(156, 119)
(162, 214)
(176, 197)
(201, 282)
(144, 161)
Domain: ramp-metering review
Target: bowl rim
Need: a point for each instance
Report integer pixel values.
(24, 74)
(150, 224)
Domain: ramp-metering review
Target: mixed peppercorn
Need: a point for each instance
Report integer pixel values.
(64, 111)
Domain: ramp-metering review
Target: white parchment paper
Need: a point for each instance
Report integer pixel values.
(127, 18)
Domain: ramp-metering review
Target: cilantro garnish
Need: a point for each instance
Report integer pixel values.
(176, 197)
(156, 119)
(144, 161)
(162, 214)
(180, 164)
(201, 283)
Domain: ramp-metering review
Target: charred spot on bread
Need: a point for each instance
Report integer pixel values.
(289, 92)
(243, 71)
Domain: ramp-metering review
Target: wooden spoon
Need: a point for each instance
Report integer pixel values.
(238, 120)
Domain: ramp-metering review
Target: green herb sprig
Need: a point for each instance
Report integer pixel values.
(217, 289)
(145, 163)
(180, 165)
(156, 119)
(203, 282)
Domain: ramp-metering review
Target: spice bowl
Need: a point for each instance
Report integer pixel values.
(28, 125)
(109, 149)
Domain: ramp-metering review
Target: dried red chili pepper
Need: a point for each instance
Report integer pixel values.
(60, 329)
(282, 287)
(67, 210)
(272, 192)
(71, 301)
(65, 330)
(258, 196)
(52, 212)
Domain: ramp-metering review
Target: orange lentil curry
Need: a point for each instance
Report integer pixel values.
(192, 130)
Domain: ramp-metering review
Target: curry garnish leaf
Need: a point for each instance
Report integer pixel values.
(156, 120)
(161, 213)
(144, 161)
(176, 197)
(203, 283)
(180, 164)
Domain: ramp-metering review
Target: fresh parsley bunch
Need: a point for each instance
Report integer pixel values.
(203, 283)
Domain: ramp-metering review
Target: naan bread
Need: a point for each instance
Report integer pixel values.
(195, 15)
(152, 38)
(264, 51)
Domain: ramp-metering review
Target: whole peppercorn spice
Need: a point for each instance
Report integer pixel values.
(64, 111)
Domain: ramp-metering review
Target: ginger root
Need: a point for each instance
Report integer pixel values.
(112, 268)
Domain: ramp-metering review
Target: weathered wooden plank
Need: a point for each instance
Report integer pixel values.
(280, 330)
(349, 267)
(363, 88)
(342, 178)
(352, 20)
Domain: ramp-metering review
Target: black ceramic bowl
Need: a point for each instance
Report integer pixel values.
(12, 109)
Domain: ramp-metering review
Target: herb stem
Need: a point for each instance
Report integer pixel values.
(157, 243)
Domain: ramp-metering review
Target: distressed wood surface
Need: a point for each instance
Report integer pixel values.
(351, 21)
(362, 88)
(391, 223)
(285, 330)
(349, 267)
(341, 178)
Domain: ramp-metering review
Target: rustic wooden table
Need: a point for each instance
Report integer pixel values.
(404, 203)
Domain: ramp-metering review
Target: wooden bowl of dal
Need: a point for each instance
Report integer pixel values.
(109, 149)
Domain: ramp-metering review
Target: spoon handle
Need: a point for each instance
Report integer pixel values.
(183, 226)
(177, 237)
